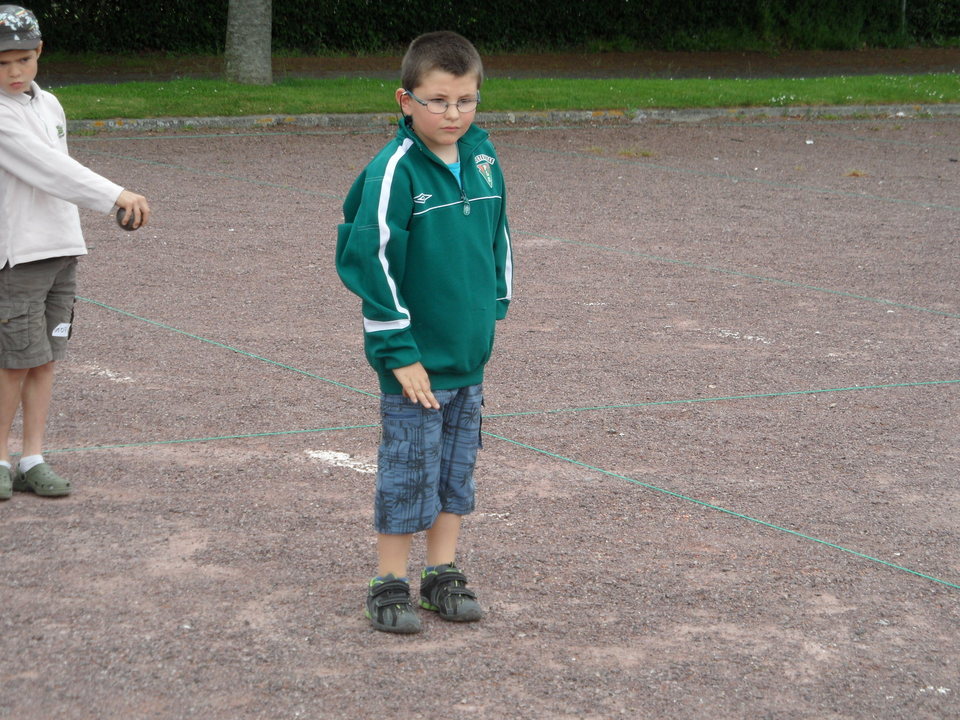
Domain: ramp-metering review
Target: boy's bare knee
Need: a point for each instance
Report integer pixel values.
(13, 374)
(42, 369)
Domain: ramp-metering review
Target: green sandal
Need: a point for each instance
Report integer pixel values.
(442, 589)
(6, 483)
(42, 480)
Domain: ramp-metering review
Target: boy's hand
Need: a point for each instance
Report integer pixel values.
(416, 385)
(135, 205)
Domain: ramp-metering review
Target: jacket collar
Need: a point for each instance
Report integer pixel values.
(471, 138)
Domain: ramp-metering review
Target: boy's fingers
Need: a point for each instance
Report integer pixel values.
(429, 400)
(423, 397)
(415, 385)
(140, 213)
(136, 208)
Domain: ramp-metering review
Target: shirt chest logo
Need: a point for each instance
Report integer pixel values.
(422, 198)
(484, 164)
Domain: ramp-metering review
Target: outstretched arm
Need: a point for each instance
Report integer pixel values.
(49, 168)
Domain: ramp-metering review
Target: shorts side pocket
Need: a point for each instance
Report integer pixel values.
(14, 326)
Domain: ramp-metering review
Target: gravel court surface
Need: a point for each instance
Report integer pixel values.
(778, 343)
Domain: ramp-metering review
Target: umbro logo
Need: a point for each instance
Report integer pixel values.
(422, 198)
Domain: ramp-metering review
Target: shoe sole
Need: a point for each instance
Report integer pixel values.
(400, 629)
(470, 615)
(42, 493)
(20, 484)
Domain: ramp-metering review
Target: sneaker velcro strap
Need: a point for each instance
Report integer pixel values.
(446, 594)
(449, 583)
(389, 607)
(449, 576)
(460, 591)
(392, 592)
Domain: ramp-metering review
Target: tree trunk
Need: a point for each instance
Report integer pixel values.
(248, 48)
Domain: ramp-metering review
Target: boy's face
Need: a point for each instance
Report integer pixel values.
(440, 132)
(18, 68)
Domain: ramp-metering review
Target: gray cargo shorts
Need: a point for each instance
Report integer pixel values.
(36, 311)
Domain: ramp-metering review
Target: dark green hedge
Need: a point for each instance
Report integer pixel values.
(355, 26)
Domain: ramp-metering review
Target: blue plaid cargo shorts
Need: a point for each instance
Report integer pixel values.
(426, 459)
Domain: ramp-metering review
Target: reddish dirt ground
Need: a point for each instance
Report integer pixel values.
(720, 468)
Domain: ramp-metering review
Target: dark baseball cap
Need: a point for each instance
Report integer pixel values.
(19, 29)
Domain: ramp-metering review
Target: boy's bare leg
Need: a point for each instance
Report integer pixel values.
(388, 604)
(442, 539)
(35, 397)
(11, 382)
(444, 591)
(394, 552)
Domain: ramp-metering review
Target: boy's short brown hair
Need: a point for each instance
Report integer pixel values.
(442, 50)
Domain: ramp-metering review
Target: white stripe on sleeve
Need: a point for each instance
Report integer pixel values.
(382, 208)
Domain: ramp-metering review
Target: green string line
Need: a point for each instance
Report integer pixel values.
(771, 122)
(594, 245)
(737, 178)
(738, 273)
(625, 406)
(523, 413)
(500, 416)
(225, 135)
(530, 447)
(684, 263)
(656, 166)
(213, 438)
(725, 511)
(211, 173)
(752, 396)
(884, 141)
(226, 347)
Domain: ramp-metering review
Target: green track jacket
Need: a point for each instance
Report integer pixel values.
(432, 263)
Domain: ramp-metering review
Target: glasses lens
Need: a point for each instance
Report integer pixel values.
(439, 107)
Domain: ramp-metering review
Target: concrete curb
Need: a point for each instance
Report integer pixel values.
(555, 117)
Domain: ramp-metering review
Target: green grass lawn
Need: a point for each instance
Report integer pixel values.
(201, 98)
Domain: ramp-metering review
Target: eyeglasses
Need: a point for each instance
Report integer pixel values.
(439, 107)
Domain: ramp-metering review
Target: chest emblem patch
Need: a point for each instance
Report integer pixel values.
(484, 163)
(422, 198)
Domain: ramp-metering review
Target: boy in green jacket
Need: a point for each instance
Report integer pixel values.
(426, 246)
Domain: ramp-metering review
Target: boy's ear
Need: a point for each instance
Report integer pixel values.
(39, 48)
(403, 100)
